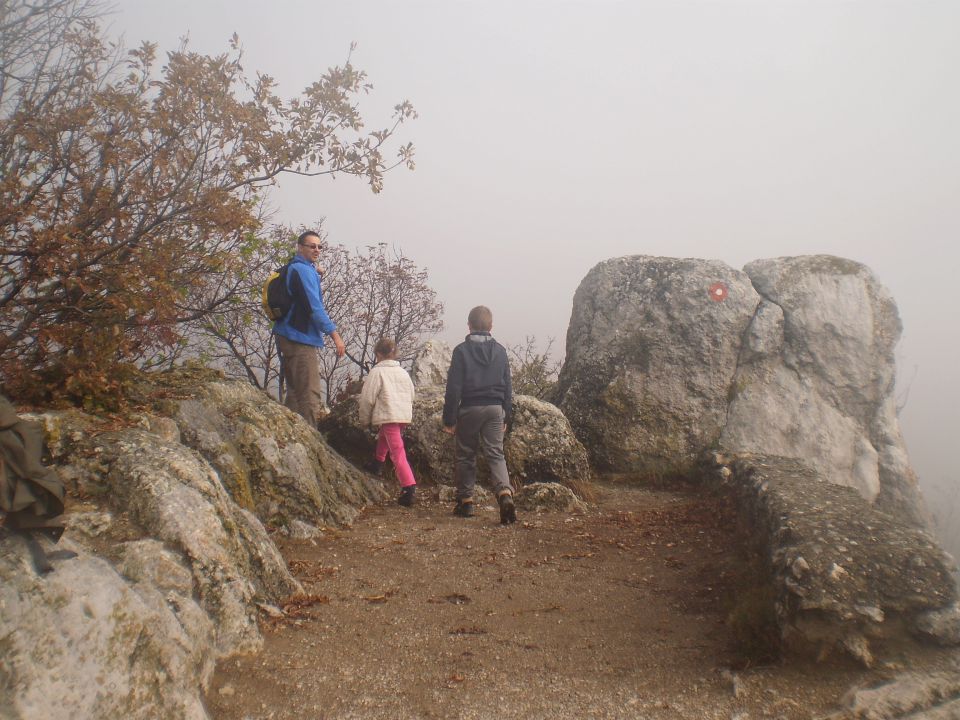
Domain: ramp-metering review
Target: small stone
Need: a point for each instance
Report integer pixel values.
(942, 625)
(837, 572)
(795, 587)
(859, 647)
(799, 567)
(732, 681)
(874, 613)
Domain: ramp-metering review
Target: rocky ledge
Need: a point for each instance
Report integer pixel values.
(846, 575)
(169, 530)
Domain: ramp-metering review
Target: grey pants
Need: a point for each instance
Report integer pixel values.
(484, 422)
(301, 373)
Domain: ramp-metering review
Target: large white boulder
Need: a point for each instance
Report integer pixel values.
(816, 378)
(84, 642)
(793, 357)
(652, 348)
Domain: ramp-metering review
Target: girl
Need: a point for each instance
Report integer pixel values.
(387, 400)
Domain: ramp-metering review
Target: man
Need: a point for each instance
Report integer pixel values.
(300, 332)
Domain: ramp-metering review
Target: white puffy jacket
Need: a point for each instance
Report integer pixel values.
(387, 395)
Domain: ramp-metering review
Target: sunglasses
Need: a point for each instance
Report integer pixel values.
(312, 247)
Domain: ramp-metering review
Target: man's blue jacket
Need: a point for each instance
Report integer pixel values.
(307, 322)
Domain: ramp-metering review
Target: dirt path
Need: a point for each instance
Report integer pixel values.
(617, 613)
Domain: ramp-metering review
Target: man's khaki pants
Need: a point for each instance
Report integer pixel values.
(301, 373)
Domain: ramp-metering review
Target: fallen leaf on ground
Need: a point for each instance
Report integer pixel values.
(271, 610)
(468, 631)
(296, 604)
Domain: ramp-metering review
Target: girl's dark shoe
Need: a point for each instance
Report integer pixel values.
(374, 467)
(407, 496)
(464, 508)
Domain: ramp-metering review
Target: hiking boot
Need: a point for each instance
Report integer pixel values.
(407, 495)
(374, 466)
(464, 508)
(508, 511)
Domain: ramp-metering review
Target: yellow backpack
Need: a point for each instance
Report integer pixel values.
(277, 299)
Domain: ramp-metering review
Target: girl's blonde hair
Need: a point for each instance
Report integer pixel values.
(385, 347)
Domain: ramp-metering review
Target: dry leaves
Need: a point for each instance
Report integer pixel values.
(297, 605)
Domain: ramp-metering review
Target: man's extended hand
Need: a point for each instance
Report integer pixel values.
(341, 348)
(449, 429)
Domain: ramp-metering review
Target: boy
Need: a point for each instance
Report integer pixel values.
(478, 404)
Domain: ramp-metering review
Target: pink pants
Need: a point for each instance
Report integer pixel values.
(390, 439)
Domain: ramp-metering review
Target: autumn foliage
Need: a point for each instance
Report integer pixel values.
(131, 192)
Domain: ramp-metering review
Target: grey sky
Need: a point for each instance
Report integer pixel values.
(555, 134)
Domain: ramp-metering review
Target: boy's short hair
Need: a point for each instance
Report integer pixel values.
(480, 319)
(385, 347)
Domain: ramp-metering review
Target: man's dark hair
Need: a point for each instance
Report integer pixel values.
(309, 233)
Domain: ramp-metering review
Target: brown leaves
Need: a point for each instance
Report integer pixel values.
(297, 605)
(293, 609)
(311, 572)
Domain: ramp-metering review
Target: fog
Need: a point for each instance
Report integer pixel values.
(555, 134)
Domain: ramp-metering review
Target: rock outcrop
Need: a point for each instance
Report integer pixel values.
(816, 377)
(910, 696)
(173, 556)
(540, 446)
(86, 642)
(286, 476)
(846, 575)
(668, 358)
(430, 365)
(652, 350)
(549, 497)
(787, 369)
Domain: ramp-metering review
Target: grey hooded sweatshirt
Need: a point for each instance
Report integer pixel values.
(479, 374)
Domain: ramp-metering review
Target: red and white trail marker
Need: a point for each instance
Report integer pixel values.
(718, 292)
